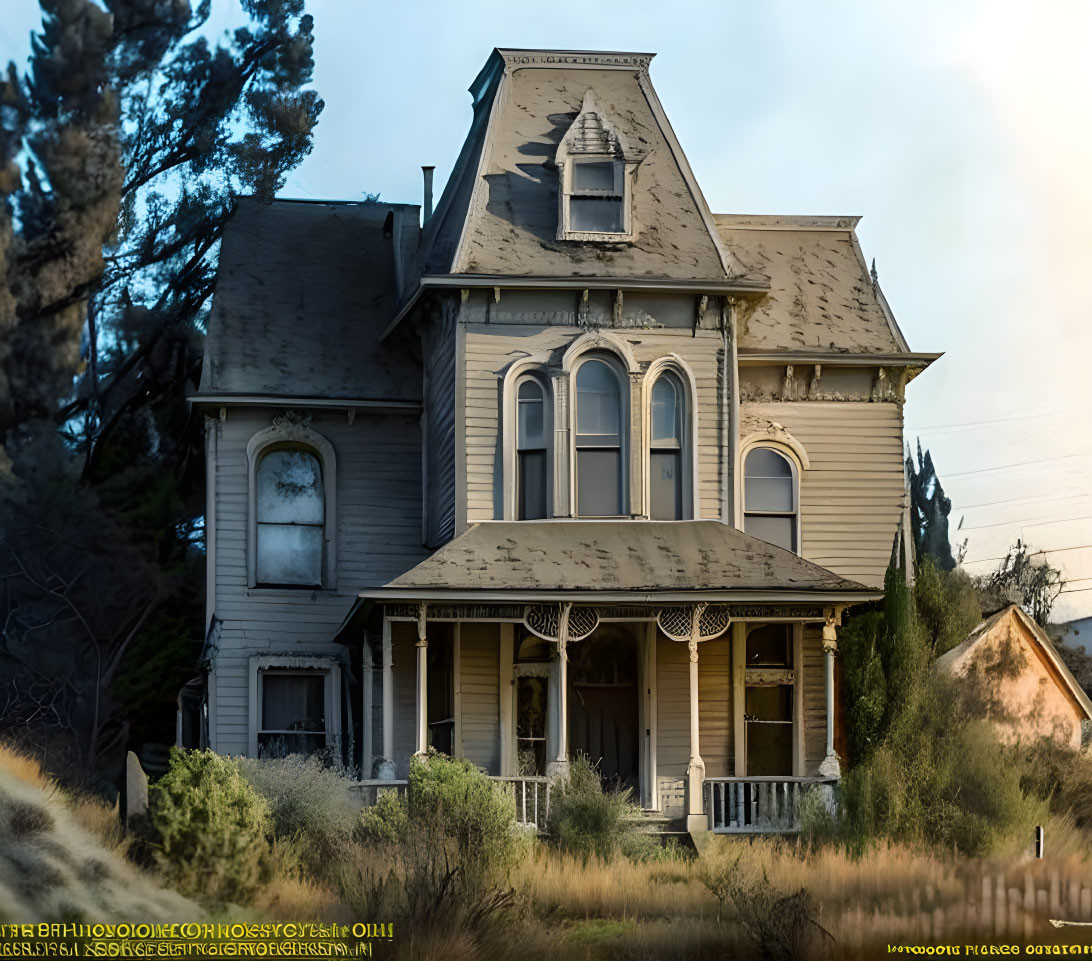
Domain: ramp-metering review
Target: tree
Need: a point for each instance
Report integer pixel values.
(929, 510)
(1024, 577)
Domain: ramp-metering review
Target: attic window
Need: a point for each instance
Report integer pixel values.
(595, 167)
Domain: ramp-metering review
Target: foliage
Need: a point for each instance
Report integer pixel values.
(929, 510)
(212, 827)
(584, 819)
(1024, 577)
(947, 605)
(309, 802)
(1079, 664)
(1060, 776)
(386, 822)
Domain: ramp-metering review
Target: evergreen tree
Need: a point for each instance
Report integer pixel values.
(929, 510)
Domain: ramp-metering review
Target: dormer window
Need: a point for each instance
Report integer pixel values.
(596, 196)
(595, 167)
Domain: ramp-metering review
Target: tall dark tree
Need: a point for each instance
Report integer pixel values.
(929, 510)
(123, 150)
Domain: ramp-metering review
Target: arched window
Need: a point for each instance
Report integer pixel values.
(291, 518)
(666, 446)
(532, 463)
(599, 441)
(770, 497)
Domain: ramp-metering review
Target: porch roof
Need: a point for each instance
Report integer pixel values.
(536, 559)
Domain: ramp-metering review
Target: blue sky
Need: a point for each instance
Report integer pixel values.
(958, 129)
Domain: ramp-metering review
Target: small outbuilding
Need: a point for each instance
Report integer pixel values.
(1016, 678)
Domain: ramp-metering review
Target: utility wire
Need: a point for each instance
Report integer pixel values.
(968, 425)
(1023, 463)
(1027, 522)
(1014, 500)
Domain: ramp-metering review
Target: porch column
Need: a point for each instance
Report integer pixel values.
(422, 680)
(559, 767)
(830, 766)
(695, 770)
(388, 698)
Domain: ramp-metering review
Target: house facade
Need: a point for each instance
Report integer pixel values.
(570, 464)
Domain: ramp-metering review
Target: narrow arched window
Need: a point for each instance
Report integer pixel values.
(599, 442)
(770, 497)
(532, 462)
(666, 449)
(291, 517)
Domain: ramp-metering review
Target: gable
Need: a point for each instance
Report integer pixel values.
(509, 224)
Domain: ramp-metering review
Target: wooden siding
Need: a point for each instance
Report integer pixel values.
(378, 506)
(672, 707)
(438, 340)
(715, 705)
(491, 348)
(404, 646)
(851, 498)
(479, 657)
(815, 700)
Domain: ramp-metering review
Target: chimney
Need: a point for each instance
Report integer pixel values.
(427, 171)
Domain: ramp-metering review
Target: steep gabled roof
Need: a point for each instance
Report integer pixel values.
(303, 292)
(498, 213)
(596, 557)
(821, 297)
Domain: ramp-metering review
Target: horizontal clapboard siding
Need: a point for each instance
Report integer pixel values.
(852, 497)
(715, 705)
(672, 707)
(440, 407)
(491, 348)
(479, 659)
(378, 506)
(815, 700)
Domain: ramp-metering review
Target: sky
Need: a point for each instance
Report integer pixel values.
(958, 129)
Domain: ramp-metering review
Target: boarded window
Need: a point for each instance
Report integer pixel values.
(769, 498)
(293, 706)
(666, 449)
(598, 440)
(531, 460)
(291, 515)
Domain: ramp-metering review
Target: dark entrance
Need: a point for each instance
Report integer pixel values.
(603, 705)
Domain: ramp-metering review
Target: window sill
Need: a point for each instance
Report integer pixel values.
(588, 236)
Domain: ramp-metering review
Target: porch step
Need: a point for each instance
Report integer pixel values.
(655, 822)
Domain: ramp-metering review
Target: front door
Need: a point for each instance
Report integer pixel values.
(603, 705)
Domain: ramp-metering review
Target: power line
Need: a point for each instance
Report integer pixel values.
(1027, 522)
(1014, 500)
(1023, 463)
(979, 423)
(1047, 550)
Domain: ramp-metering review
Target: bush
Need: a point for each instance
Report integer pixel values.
(947, 605)
(1059, 776)
(385, 822)
(587, 821)
(213, 828)
(310, 803)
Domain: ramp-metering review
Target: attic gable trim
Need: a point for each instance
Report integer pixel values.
(1063, 672)
(210, 399)
(834, 223)
(527, 59)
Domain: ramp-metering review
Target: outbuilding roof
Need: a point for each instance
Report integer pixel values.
(303, 293)
(596, 557)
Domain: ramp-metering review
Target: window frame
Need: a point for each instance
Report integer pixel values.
(508, 475)
(623, 190)
(328, 667)
(259, 523)
(795, 471)
(625, 440)
(685, 393)
(287, 435)
(546, 448)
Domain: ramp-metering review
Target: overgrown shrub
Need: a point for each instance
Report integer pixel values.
(1059, 776)
(587, 821)
(947, 605)
(310, 803)
(212, 828)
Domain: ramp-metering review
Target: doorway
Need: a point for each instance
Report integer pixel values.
(603, 705)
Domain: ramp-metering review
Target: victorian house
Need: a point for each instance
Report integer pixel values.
(568, 465)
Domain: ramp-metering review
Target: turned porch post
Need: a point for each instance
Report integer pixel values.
(560, 765)
(830, 766)
(422, 680)
(695, 770)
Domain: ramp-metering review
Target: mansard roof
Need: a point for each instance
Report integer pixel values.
(303, 292)
(535, 558)
(499, 211)
(821, 297)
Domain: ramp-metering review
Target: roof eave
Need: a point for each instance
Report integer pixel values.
(493, 595)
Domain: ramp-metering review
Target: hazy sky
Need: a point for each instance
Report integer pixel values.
(959, 130)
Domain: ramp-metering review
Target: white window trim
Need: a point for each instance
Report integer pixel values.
(293, 435)
(292, 664)
(516, 375)
(625, 440)
(793, 457)
(677, 366)
(739, 690)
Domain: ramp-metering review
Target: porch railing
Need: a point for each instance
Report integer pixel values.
(757, 805)
(369, 792)
(532, 796)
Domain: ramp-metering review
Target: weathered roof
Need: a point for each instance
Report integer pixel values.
(303, 292)
(499, 211)
(821, 294)
(616, 556)
(953, 660)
